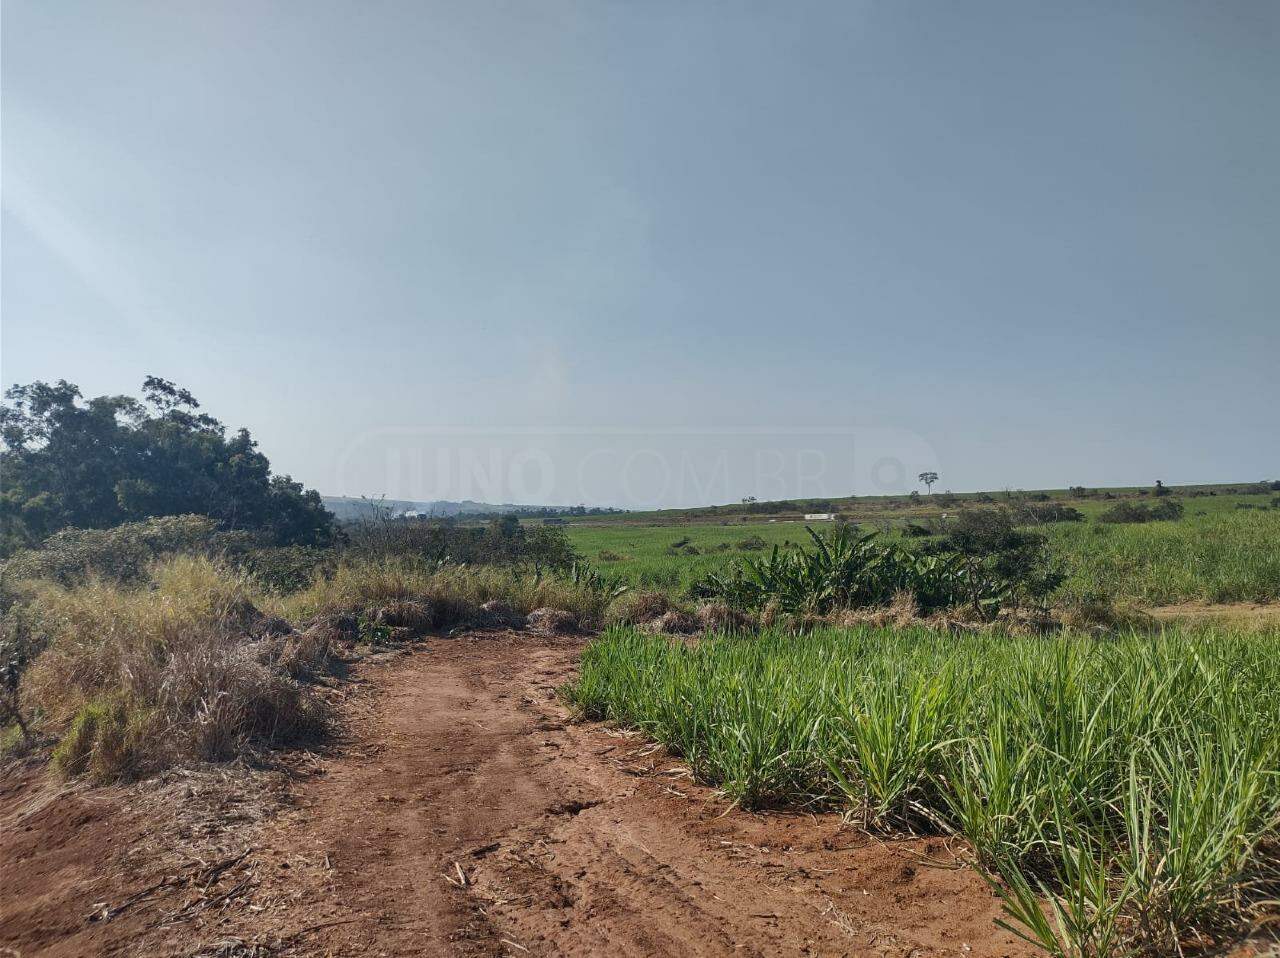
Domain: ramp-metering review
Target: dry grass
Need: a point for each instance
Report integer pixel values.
(132, 679)
(636, 608)
(193, 664)
(454, 595)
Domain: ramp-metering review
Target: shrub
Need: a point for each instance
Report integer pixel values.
(501, 541)
(751, 544)
(1130, 512)
(1033, 514)
(284, 569)
(121, 554)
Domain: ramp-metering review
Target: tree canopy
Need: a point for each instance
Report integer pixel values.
(68, 462)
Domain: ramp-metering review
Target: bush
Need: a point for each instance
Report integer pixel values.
(502, 541)
(1034, 514)
(285, 569)
(1130, 512)
(119, 554)
(1018, 560)
(751, 544)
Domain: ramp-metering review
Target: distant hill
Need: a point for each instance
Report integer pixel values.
(347, 508)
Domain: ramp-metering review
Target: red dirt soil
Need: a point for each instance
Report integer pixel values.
(465, 815)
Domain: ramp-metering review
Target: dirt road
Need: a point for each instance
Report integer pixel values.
(464, 815)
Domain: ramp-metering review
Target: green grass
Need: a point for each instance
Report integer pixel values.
(1222, 556)
(1131, 782)
(1216, 552)
(644, 551)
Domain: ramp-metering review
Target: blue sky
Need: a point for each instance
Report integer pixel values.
(1023, 244)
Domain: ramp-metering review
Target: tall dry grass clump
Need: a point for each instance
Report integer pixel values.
(135, 678)
(450, 594)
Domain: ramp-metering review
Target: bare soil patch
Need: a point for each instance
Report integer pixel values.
(464, 814)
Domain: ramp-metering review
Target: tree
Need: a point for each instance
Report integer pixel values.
(928, 478)
(92, 464)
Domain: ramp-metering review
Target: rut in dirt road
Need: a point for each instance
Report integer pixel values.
(468, 818)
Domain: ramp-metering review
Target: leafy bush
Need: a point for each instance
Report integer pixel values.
(502, 541)
(284, 569)
(1031, 513)
(751, 544)
(1131, 512)
(121, 554)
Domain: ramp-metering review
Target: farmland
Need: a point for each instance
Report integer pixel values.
(1222, 550)
(1132, 780)
(920, 686)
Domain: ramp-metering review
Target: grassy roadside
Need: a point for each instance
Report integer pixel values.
(194, 661)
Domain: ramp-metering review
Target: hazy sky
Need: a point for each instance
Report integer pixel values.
(661, 252)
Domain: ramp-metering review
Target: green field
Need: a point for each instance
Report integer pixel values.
(1218, 551)
(1133, 779)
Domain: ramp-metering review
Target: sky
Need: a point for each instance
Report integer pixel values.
(654, 253)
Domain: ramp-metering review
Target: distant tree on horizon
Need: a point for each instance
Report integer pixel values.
(928, 478)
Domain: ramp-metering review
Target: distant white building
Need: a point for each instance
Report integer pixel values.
(819, 516)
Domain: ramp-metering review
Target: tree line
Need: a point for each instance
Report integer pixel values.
(71, 462)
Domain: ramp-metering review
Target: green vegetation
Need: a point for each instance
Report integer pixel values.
(983, 562)
(1221, 556)
(1222, 549)
(647, 556)
(114, 459)
(1132, 780)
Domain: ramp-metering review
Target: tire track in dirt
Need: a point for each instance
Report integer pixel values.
(470, 817)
